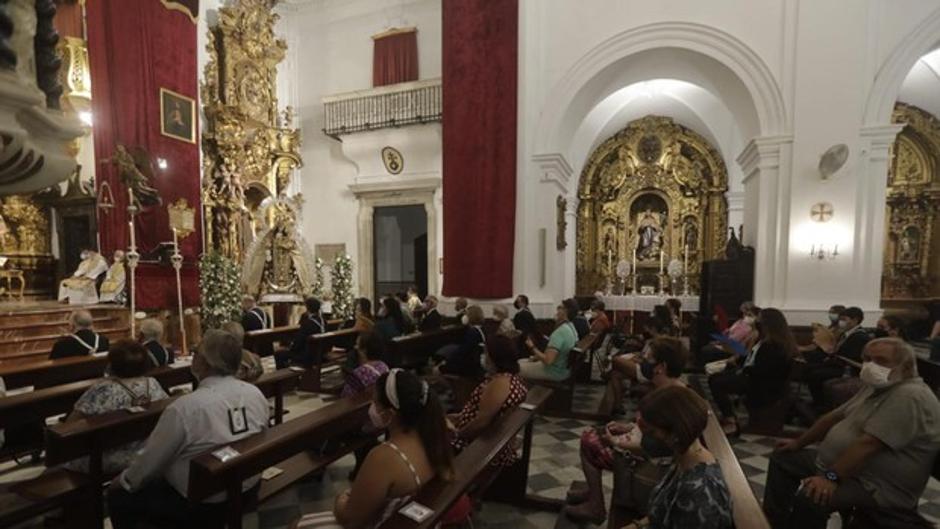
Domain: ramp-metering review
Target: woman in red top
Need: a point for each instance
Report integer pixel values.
(501, 392)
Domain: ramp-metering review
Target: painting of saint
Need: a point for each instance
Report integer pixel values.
(177, 116)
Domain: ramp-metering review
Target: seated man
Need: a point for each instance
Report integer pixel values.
(151, 332)
(81, 288)
(311, 322)
(849, 345)
(112, 290)
(875, 451)
(220, 411)
(600, 323)
(581, 325)
(251, 367)
(432, 318)
(83, 340)
(254, 318)
(552, 363)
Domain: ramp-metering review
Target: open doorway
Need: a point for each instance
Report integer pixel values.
(400, 235)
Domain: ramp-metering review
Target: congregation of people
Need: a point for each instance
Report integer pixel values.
(864, 426)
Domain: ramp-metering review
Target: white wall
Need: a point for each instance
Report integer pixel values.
(807, 69)
(333, 54)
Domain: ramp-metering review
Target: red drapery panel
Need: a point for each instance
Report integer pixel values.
(479, 83)
(395, 58)
(68, 19)
(135, 49)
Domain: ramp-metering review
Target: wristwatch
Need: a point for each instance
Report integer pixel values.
(831, 475)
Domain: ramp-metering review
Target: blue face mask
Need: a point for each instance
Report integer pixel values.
(654, 447)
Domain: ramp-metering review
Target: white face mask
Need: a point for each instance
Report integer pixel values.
(875, 375)
(749, 320)
(465, 320)
(589, 315)
(843, 324)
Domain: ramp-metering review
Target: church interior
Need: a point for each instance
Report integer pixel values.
(403, 264)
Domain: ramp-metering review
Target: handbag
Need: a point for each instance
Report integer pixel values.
(634, 480)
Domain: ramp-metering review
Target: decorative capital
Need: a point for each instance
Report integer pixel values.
(554, 169)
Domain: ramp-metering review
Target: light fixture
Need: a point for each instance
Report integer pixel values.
(824, 248)
(85, 117)
(161, 163)
(823, 252)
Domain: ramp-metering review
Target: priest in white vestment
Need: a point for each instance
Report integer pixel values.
(112, 290)
(80, 289)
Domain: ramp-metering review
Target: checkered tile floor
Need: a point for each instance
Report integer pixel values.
(554, 465)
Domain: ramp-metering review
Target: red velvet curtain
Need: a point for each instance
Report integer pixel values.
(395, 58)
(480, 44)
(135, 49)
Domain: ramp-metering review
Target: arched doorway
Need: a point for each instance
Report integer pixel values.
(651, 194)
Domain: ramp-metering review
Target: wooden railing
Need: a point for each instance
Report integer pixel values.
(386, 106)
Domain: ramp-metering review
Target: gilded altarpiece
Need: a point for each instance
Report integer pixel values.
(911, 263)
(652, 193)
(250, 152)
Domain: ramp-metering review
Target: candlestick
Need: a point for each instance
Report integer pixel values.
(130, 225)
(685, 264)
(609, 256)
(661, 256)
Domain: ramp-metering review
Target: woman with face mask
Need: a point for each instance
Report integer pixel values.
(693, 492)
(465, 360)
(763, 376)
(661, 365)
(391, 322)
(500, 392)
(416, 452)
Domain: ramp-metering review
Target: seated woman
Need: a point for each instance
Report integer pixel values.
(370, 352)
(391, 322)
(500, 393)
(125, 387)
(464, 361)
(552, 363)
(364, 319)
(764, 376)
(741, 331)
(624, 367)
(663, 361)
(416, 452)
(250, 368)
(693, 492)
(505, 326)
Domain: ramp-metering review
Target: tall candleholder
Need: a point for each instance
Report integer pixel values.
(685, 285)
(633, 282)
(132, 257)
(662, 284)
(182, 223)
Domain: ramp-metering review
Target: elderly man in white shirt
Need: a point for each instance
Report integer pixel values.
(221, 411)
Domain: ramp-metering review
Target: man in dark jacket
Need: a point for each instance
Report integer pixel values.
(83, 340)
(432, 318)
(311, 322)
(254, 318)
(850, 345)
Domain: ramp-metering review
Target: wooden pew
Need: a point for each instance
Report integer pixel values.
(47, 373)
(473, 471)
(262, 342)
(319, 346)
(414, 350)
(288, 446)
(747, 510)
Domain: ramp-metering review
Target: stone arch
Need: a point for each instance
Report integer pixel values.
(735, 73)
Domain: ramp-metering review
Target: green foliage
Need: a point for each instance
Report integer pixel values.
(220, 286)
(317, 290)
(341, 283)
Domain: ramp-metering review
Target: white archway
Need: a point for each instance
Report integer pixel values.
(695, 53)
(884, 92)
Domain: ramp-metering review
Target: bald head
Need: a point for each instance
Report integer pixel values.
(81, 319)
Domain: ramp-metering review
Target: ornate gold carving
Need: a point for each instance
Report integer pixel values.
(248, 147)
(655, 185)
(561, 223)
(75, 76)
(28, 227)
(913, 200)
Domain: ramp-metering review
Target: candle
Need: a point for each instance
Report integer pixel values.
(609, 257)
(634, 261)
(130, 225)
(176, 245)
(685, 264)
(661, 256)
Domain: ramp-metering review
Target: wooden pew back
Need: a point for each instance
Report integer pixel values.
(470, 466)
(46, 373)
(414, 350)
(262, 342)
(747, 510)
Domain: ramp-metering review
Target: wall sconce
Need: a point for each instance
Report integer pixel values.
(824, 253)
(162, 164)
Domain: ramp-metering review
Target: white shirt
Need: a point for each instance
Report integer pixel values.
(195, 424)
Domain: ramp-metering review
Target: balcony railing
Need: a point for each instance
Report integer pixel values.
(386, 106)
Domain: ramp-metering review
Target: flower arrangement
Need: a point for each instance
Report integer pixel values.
(220, 286)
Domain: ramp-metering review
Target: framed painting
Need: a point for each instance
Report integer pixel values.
(177, 116)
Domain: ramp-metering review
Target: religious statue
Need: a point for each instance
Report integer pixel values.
(279, 262)
(135, 172)
(224, 199)
(650, 231)
(115, 280)
(908, 246)
(81, 288)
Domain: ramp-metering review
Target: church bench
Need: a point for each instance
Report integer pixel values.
(747, 509)
(320, 346)
(473, 472)
(262, 342)
(288, 446)
(45, 373)
(30, 348)
(414, 350)
(23, 501)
